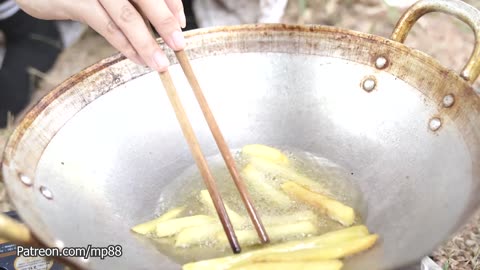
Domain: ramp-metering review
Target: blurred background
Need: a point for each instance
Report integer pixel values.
(446, 39)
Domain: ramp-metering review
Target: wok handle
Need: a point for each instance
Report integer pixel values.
(16, 232)
(456, 8)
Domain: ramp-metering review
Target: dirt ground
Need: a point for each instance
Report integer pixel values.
(444, 38)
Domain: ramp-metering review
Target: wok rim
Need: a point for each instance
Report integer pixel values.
(66, 87)
(71, 81)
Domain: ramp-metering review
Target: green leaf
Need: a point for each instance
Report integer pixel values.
(446, 266)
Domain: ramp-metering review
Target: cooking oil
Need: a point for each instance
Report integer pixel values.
(328, 177)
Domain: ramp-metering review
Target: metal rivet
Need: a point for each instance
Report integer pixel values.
(369, 84)
(448, 101)
(435, 124)
(25, 179)
(381, 62)
(46, 192)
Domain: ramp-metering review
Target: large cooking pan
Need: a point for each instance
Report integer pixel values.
(91, 158)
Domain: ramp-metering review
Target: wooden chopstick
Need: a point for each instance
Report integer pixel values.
(200, 160)
(222, 145)
(197, 152)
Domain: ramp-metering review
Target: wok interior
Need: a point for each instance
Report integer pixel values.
(108, 164)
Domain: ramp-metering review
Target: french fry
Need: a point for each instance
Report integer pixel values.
(149, 226)
(206, 200)
(288, 174)
(338, 251)
(276, 233)
(266, 152)
(317, 265)
(334, 209)
(260, 183)
(173, 226)
(197, 235)
(330, 238)
(327, 239)
(305, 215)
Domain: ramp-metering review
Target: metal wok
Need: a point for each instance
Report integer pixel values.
(90, 159)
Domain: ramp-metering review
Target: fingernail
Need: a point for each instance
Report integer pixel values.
(161, 60)
(178, 40)
(183, 20)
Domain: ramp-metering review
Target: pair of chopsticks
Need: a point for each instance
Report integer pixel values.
(197, 152)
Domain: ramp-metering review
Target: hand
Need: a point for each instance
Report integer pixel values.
(120, 23)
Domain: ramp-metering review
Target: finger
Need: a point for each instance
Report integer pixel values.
(99, 20)
(43, 9)
(176, 7)
(164, 22)
(133, 27)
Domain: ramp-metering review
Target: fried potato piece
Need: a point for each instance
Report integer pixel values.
(202, 234)
(338, 251)
(324, 240)
(149, 226)
(197, 235)
(312, 265)
(263, 185)
(287, 173)
(330, 238)
(173, 226)
(276, 233)
(206, 200)
(305, 215)
(334, 209)
(265, 152)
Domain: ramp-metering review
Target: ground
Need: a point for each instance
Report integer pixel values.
(444, 38)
